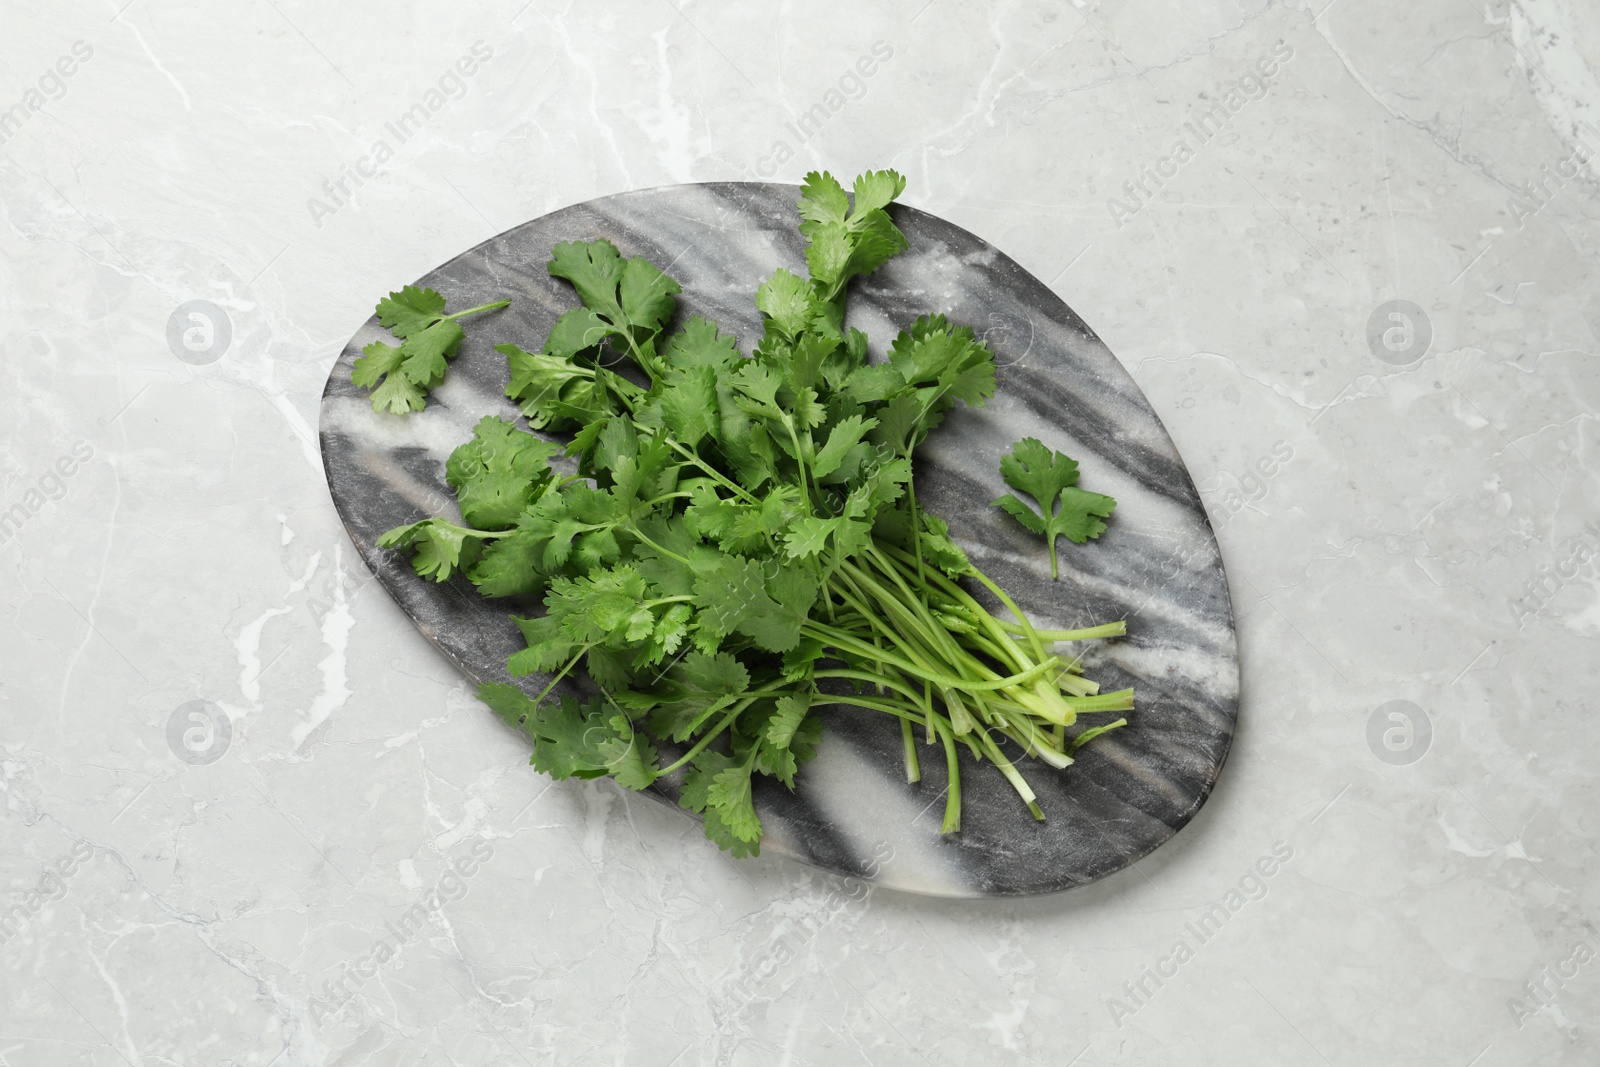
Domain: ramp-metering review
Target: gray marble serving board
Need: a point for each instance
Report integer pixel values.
(852, 812)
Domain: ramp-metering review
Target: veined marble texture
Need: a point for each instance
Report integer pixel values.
(852, 812)
(1348, 254)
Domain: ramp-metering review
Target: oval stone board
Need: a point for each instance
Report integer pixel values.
(853, 812)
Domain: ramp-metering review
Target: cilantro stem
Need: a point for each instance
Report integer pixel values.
(1011, 606)
(1109, 629)
(1012, 774)
(799, 462)
(710, 735)
(831, 636)
(571, 663)
(645, 363)
(916, 525)
(1092, 733)
(474, 311)
(634, 530)
(863, 676)
(716, 475)
(908, 740)
(952, 804)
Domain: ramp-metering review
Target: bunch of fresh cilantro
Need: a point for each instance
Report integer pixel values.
(727, 545)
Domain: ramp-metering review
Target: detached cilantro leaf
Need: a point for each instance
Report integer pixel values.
(411, 310)
(400, 377)
(407, 372)
(1050, 477)
(380, 366)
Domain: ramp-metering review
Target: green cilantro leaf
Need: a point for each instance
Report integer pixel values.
(1049, 477)
(411, 310)
(555, 393)
(844, 436)
(730, 798)
(742, 536)
(400, 377)
(499, 473)
(441, 547)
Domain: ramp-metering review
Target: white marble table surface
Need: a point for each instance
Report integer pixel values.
(1399, 864)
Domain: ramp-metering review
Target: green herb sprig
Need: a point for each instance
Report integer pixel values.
(739, 545)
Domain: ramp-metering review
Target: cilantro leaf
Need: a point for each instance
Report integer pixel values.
(576, 740)
(411, 310)
(554, 393)
(1050, 478)
(441, 547)
(730, 798)
(400, 377)
(843, 437)
(841, 246)
(738, 526)
(380, 366)
(498, 473)
(788, 301)
(699, 344)
(782, 725)
(631, 297)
